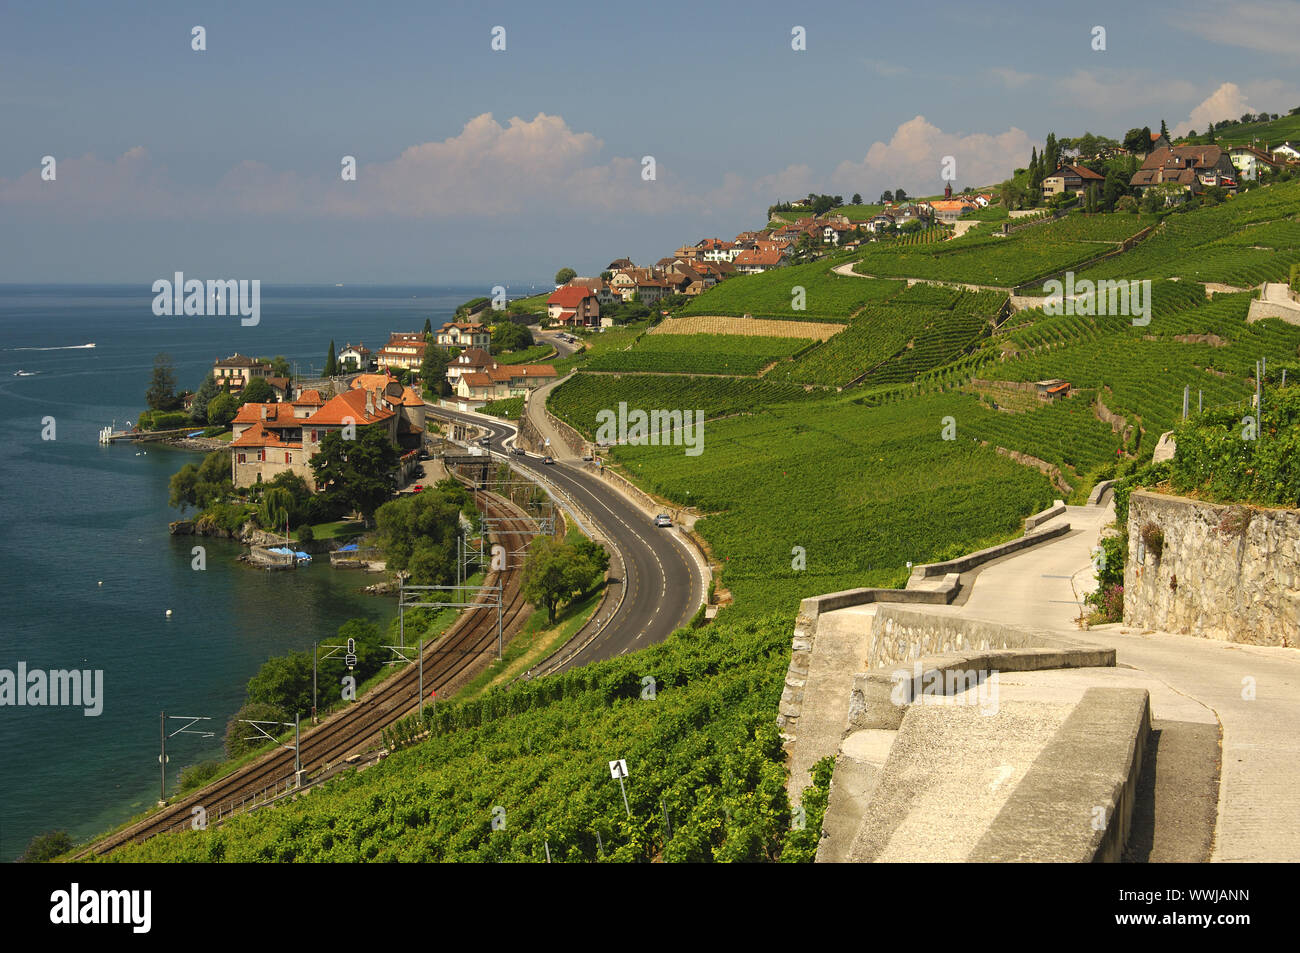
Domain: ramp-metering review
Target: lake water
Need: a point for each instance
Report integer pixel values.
(77, 514)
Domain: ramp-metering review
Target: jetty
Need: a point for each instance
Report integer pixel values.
(109, 435)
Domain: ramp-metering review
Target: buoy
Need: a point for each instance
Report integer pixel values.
(101, 582)
(169, 611)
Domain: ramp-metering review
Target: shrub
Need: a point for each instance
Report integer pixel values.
(1153, 537)
(1108, 605)
(197, 775)
(45, 847)
(162, 419)
(306, 534)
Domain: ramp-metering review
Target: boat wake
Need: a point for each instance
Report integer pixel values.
(70, 347)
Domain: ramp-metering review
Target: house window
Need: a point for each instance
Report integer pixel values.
(288, 458)
(261, 456)
(315, 436)
(241, 459)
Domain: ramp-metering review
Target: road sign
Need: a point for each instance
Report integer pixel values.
(618, 769)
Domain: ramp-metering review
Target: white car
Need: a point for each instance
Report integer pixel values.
(663, 520)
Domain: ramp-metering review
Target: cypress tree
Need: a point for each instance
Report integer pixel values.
(331, 365)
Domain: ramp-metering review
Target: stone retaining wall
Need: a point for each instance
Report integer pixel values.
(1226, 573)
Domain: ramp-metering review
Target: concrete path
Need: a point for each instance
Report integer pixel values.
(1252, 692)
(847, 271)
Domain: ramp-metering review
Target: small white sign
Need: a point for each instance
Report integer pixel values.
(618, 769)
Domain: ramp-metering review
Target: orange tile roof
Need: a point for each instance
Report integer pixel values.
(310, 397)
(411, 399)
(250, 413)
(259, 436)
(353, 405)
(372, 381)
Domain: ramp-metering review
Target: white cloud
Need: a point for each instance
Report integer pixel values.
(1268, 26)
(1011, 78)
(1087, 89)
(1226, 102)
(912, 158)
(537, 166)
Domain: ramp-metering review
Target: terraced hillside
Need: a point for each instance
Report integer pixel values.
(802, 490)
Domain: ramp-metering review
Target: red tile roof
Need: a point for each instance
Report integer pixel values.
(570, 296)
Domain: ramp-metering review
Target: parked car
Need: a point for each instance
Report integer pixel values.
(417, 488)
(518, 451)
(663, 520)
(586, 458)
(485, 441)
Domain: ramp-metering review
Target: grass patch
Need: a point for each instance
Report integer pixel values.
(532, 644)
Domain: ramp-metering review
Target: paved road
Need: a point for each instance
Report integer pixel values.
(1253, 692)
(664, 584)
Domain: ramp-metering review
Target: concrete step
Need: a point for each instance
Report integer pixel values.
(1014, 781)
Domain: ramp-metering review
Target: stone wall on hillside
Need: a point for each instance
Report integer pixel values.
(1223, 572)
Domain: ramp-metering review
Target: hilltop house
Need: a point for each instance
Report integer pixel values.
(1288, 152)
(237, 370)
(752, 262)
(1192, 167)
(1250, 161)
(1071, 178)
(575, 306)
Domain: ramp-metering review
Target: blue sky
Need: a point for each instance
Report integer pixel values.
(489, 166)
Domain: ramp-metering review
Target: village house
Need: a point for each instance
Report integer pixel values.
(355, 357)
(950, 210)
(1250, 161)
(237, 370)
(575, 306)
(651, 290)
(270, 439)
(405, 349)
(1191, 167)
(461, 335)
(757, 262)
(600, 287)
(501, 381)
(1068, 178)
(1288, 152)
(470, 361)
(281, 387)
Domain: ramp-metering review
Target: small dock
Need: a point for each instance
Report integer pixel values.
(108, 435)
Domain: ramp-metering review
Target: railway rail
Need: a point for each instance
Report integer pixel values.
(447, 661)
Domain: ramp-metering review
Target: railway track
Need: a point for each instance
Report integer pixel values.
(448, 662)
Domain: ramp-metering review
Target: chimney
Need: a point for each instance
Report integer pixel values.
(370, 404)
(264, 411)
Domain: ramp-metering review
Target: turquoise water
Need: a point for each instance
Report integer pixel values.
(76, 514)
